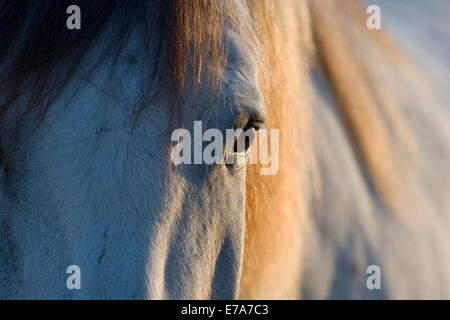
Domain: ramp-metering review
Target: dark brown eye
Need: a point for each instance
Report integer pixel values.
(244, 140)
(237, 158)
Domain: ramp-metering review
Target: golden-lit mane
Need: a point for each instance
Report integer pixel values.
(277, 205)
(291, 32)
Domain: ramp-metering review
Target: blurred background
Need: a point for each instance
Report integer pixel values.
(352, 229)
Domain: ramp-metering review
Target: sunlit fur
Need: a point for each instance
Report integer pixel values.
(327, 33)
(284, 36)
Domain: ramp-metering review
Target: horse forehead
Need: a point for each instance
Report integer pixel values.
(239, 56)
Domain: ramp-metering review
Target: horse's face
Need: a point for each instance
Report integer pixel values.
(85, 191)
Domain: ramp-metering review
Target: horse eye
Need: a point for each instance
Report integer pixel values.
(244, 140)
(237, 158)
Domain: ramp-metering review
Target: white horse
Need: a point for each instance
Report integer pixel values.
(85, 137)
